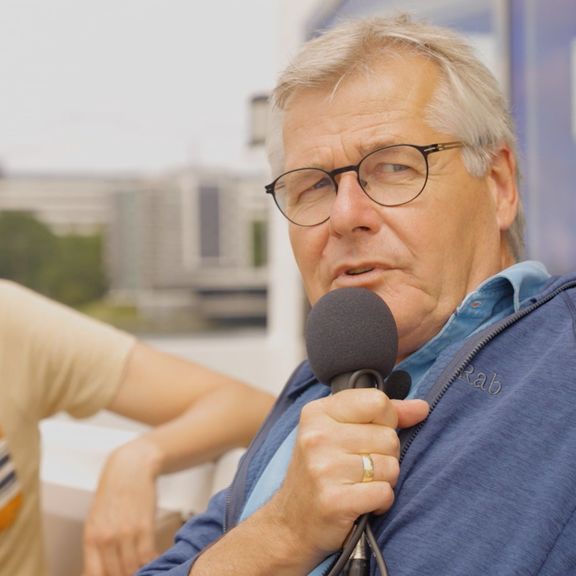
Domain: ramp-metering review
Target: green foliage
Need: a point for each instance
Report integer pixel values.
(121, 316)
(79, 275)
(27, 248)
(66, 268)
(259, 243)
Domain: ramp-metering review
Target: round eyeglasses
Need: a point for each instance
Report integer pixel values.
(390, 176)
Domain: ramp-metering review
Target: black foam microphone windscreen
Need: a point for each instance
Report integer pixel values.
(350, 329)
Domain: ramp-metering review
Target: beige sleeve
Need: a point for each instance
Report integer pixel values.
(56, 358)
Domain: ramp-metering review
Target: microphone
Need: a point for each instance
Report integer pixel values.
(352, 342)
(398, 385)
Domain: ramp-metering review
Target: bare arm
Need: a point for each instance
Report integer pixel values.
(199, 414)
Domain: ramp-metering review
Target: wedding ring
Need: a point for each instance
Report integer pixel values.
(367, 468)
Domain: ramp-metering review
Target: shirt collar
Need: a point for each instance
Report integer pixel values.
(497, 297)
(520, 282)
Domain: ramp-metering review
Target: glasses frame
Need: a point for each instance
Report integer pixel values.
(424, 150)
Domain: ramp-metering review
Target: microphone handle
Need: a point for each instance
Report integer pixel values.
(396, 386)
(356, 559)
(366, 378)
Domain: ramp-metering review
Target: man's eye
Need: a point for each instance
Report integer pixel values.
(321, 183)
(313, 187)
(387, 168)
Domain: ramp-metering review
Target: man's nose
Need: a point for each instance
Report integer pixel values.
(352, 209)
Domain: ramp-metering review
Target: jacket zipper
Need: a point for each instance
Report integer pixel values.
(495, 331)
(484, 339)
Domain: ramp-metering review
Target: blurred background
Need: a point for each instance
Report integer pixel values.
(131, 150)
(132, 164)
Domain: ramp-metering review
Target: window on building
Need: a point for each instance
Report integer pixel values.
(209, 212)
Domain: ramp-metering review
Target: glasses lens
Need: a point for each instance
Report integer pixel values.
(394, 175)
(305, 196)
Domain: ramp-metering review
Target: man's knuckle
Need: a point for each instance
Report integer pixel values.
(312, 437)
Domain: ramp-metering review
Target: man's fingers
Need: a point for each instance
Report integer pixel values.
(119, 557)
(410, 412)
(146, 548)
(370, 405)
(385, 468)
(111, 560)
(92, 562)
(360, 406)
(129, 557)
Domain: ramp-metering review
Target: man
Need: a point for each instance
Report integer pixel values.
(395, 164)
(54, 359)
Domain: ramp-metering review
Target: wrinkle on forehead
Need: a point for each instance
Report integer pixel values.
(371, 108)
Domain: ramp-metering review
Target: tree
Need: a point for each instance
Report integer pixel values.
(79, 276)
(67, 268)
(27, 250)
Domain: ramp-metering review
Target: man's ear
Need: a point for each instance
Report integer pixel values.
(503, 187)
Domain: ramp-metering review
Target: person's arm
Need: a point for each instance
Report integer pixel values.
(199, 414)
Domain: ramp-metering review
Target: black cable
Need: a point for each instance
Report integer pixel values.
(348, 547)
(361, 526)
(376, 551)
(397, 379)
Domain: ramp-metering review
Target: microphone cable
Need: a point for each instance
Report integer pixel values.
(361, 528)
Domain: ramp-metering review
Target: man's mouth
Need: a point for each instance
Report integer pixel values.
(358, 271)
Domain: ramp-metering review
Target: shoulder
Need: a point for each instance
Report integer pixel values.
(11, 292)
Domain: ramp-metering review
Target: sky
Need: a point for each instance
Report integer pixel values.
(130, 85)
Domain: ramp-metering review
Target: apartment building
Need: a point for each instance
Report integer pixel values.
(192, 242)
(66, 202)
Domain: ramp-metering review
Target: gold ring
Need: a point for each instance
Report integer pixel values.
(367, 468)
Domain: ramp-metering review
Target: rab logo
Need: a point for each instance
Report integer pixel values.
(488, 383)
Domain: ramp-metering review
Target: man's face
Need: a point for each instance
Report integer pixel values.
(421, 258)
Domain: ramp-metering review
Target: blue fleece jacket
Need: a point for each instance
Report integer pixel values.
(487, 482)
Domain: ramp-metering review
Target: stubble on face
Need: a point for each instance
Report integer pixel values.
(421, 258)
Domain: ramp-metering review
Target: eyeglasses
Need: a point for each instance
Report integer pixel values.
(390, 176)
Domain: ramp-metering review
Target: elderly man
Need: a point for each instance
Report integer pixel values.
(395, 165)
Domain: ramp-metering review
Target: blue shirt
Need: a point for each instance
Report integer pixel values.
(495, 298)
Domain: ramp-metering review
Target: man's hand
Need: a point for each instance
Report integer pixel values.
(323, 493)
(119, 530)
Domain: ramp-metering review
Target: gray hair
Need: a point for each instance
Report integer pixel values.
(467, 102)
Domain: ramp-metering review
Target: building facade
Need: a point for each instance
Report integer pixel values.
(192, 241)
(68, 203)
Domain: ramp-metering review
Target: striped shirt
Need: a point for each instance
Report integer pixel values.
(10, 493)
